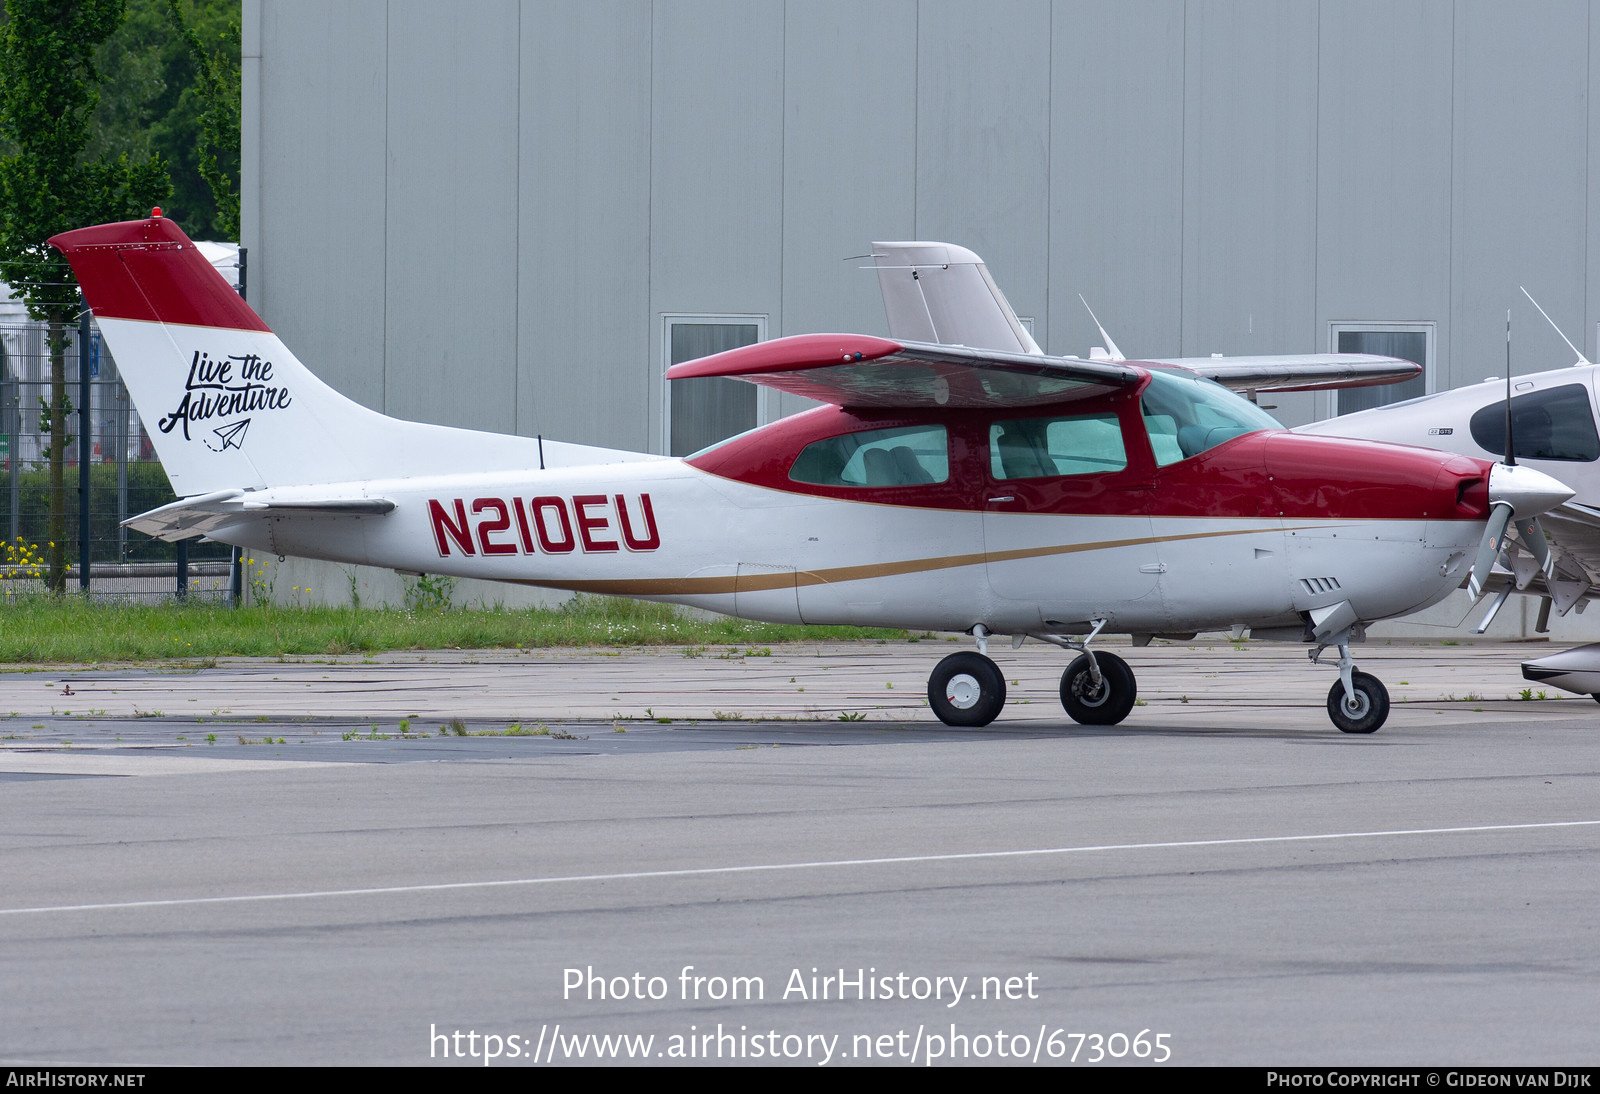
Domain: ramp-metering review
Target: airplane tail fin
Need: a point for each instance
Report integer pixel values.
(938, 292)
(225, 402)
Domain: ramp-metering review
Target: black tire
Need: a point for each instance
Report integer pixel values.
(1103, 706)
(1370, 709)
(967, 689)
(1596, 698)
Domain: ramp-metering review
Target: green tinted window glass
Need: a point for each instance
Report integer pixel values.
(1033, 448)
(912, 456)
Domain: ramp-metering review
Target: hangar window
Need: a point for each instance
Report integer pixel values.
(912, 456)
(1032, 448)
(705, 410)
(1407, 341)
(1554, 424)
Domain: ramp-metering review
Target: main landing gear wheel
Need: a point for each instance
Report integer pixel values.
(1105, 705)
(967, 689)
(1362, 712)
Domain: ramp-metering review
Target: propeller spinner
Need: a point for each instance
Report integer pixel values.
(1520, 493)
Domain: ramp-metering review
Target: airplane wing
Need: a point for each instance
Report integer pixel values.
(1573, 533)
(861, 371)
(941, 293)
(1298, 372)
(1575, 529)
(205, 513)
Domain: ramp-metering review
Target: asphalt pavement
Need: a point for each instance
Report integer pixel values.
(741, 856)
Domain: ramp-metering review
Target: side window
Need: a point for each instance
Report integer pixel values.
(1033, 448)
(911, 456)
(1553, 424)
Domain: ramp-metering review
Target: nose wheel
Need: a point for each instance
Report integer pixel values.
(1364, 709)
(1103, 702)
(967, 689)
(1358, 702)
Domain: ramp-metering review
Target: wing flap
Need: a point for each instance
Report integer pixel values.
(1298, 372)
(861, 371)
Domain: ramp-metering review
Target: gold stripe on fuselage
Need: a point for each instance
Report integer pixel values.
(783, 579)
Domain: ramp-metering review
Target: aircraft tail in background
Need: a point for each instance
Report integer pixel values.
(938, 292)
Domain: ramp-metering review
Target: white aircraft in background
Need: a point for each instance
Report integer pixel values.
(940, 292)
(1552, 427)
(944, 487)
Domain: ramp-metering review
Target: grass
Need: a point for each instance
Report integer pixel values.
(41, 628)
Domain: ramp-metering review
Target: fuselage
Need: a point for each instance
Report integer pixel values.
(1019, 492)
(1024, 521)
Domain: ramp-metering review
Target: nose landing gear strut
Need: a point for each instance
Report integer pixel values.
(1358, 702)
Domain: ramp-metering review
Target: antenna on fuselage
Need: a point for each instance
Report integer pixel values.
(1502, 511)
(1510, 449)
(1112, 352)
(1582, 360)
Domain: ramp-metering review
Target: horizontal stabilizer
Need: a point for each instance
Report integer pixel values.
(1298, 372)
(202, 515)
(860, 371)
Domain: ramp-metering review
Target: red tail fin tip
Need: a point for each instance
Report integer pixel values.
(148, 270)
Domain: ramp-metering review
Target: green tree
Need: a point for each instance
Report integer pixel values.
(214, 96)
(155, 99)
(49, 88)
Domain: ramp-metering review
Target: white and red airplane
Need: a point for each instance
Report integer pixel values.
(941, 292)
(943, 487)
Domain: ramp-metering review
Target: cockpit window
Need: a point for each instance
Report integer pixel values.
(1032, 448)
(911, 456)
(1553, 424)
(1187, 414)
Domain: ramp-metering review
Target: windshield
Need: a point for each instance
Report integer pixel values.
(1187, 414)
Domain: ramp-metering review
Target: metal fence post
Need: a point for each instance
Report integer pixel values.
(11, 426)
(183, 569)
(236, 576)
(122, 469)
(85, 447)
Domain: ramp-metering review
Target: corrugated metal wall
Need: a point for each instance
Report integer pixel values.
(478, 214)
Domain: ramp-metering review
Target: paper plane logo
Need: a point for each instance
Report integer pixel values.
(229, 436)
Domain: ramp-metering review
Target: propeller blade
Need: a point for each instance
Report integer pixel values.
(1489, 548)
(1531, 532)
(1521, 492)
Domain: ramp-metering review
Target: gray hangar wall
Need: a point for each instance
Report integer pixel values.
(487, 214)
